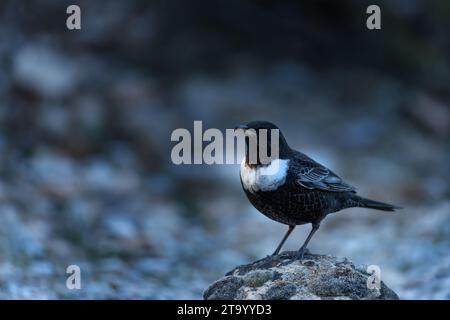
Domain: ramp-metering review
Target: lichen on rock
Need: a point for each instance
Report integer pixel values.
(284, 277)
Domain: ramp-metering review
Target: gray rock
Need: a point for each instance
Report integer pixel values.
(44, 70)
(225, 289)
(285, 277)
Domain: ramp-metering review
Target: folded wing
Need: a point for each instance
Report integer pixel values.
(313, 175)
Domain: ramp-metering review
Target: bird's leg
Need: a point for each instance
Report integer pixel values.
(277, 250)
(301, 251)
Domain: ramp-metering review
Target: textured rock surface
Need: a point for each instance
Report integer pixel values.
(285, 277)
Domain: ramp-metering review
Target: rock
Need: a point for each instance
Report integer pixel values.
(45, 71)
(429, 114)
(285, 277)
(54, 173)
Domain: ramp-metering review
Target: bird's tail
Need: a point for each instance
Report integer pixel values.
(372, 204)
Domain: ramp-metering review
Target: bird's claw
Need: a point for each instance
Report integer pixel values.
(301, 253)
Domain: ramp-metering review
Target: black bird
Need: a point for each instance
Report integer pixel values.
(293, 189)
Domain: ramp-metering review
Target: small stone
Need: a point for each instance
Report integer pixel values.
(44, 70)
(121, 227)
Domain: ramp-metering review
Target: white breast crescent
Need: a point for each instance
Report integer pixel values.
(264, 178)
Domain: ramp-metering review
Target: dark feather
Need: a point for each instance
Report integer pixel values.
(312, 175)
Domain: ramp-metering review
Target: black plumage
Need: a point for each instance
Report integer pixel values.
(307, 193)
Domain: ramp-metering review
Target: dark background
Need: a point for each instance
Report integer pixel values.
(86, 117)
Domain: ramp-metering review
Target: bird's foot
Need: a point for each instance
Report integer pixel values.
(271, 257)
(301, 253)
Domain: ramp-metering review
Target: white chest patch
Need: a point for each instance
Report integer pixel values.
(264, 178)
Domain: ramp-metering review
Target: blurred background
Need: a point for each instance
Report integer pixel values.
(86, 117)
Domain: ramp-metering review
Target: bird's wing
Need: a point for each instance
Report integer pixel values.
(312, 175)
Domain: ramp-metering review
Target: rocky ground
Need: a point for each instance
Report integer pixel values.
(86, 176)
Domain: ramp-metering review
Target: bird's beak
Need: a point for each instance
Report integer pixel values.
(241, 127)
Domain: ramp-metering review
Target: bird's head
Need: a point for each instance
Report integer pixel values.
(264, 135)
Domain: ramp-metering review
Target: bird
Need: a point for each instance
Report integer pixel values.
(291, 188)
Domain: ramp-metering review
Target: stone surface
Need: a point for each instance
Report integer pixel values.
(284, 277)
